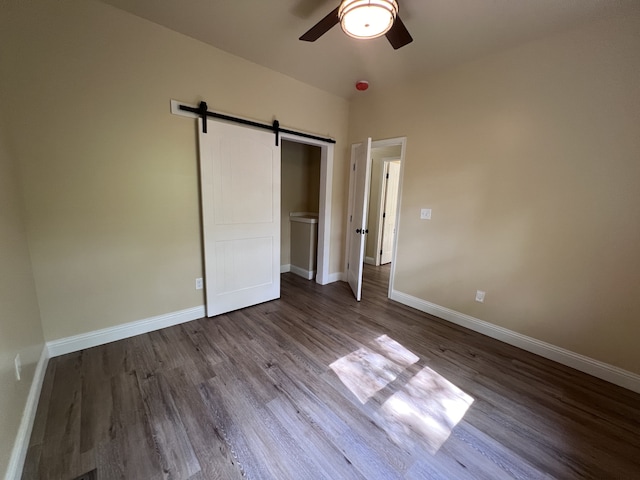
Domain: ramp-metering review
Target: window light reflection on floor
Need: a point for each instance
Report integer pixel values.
(365, 372)
(423, 411)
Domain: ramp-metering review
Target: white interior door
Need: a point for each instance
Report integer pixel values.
(392, 181)
(240, 186)
(360, 172)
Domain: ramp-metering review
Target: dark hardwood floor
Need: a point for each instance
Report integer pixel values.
(276, 391)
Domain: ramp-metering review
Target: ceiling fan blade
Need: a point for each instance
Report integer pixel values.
(322, 27)
(398, 36)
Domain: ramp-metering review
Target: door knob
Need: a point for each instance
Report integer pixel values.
(358, 230)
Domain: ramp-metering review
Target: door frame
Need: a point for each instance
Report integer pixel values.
(389, 142)
(324, 206)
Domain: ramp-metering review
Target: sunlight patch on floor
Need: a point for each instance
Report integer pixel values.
(395, 351)
(365, 372)
(423, 411)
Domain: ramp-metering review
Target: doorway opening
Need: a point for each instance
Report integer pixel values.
(307, 173)
(383, 198)
(299, 208)
(381, 202)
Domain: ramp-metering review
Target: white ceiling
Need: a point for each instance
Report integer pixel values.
(445, 32)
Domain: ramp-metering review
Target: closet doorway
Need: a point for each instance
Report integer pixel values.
(325, 149)
(300, 207)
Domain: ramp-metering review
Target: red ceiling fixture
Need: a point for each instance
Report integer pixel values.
(362, 85)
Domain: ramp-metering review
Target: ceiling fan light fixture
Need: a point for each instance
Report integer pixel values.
(367, 18)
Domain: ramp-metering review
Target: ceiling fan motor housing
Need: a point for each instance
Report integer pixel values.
(367, 18)
(364, 19)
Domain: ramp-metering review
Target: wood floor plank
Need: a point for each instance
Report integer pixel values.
(212, 451)
(323, 423)
(203, 343)
(311, 440)
(42, 412)
(97, 402)
(252, 446)
(477, 452)
(34, 452)
(264, 428)
(251, 394)
(174, 450)
(32, 463)
(60, 455)
(130, 451)
(346, 426)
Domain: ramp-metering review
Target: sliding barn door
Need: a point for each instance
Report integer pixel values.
(240, 193)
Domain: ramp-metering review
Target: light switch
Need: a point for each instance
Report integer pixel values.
(425, 214)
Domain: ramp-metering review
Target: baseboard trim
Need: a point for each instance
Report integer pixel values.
(337, 277)
(308, 274)
(285, 268)
(370, 260)
(330, 278)
(119, 332)
(596, 368)
(21, 444)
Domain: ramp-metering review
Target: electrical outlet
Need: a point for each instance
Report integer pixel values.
(480, 296)
(425, 214)
(198, 284)
(18, 364)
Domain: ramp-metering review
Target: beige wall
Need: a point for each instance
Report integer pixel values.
(300, 188)
(110, 176)
(20, 327)
(375, 192)
(530, 160)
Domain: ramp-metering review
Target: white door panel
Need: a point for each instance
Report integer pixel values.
(390, 207)
(360, 158)
(247, 178)
(238, 264)
(240, 184)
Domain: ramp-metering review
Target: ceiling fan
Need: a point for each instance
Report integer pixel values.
(364, 19)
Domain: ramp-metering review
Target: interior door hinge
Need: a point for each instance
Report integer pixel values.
(387, 175)
(354, 167)
(384, 214)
